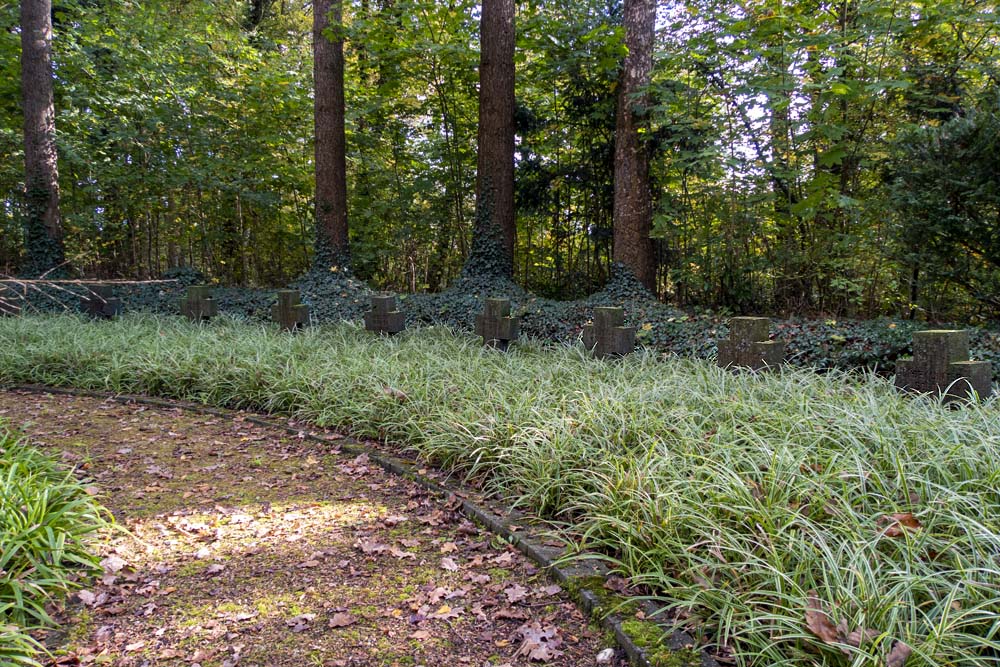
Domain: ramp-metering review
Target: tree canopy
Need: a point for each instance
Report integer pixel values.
(804, 156)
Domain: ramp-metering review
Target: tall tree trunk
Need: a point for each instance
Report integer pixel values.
(633, 205)
(44, 234)
(331, 163)
(494, 234)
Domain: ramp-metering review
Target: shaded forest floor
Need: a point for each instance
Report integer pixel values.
(249, 546)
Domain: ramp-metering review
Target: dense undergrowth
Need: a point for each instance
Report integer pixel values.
(744, 500)
(47, 518)
(818, 343)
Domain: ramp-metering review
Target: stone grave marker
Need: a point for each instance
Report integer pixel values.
(198, 304)
(606, 336)
(289, 312)
(384, 317)
(495, 324)
(9, 302)
(748, 345)
(941, 365)
(100, 302)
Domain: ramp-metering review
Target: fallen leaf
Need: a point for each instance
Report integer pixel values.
(202, 655)
(300, 622)
(860, 636)
(446, 611)
(539, 642)
(449, 564)
(371, 546)
(817, 621)
(515, 593)
(900, 523)
(342, 620)
(898, 655)
(113, 564)
(399, 553)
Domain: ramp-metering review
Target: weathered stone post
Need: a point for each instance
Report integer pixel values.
(748, 345)
(100, 302)
(941, 365)
(9, 302)
(384, 317)
(495, 324)
(606, 336)
(198, 304)
(289, 313)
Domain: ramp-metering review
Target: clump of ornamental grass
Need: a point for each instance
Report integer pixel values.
(47, 520)
(784, 518)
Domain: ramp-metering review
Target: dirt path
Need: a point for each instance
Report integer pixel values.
(250, 546)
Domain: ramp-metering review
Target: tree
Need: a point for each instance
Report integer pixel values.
(331, 163)
(944, 183)
(494, 234)
(633, 206)
(43, 227)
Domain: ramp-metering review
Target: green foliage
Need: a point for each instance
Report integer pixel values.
(185, 140)
(731, 496)
(47, 521)
(945, 186)
(333, 296)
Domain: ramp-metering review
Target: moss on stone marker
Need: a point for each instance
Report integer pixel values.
(941, 365)
(607, 336)
(384, 317)
(198, 305)
(495, 324)
(289, 313)
(748, 345)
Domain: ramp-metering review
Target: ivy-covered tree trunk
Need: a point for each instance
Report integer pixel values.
(633, 206)
(330, 158)
(43, 227)
(494, 234)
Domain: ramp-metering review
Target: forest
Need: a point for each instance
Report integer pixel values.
(205, 458)
(804, 156)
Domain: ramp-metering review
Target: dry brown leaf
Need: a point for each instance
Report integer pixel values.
(860, 636)
(898, 655)
(539, 643)
(901, 522)
(817, 621)
(113, 564)
(342, 620)
(515, 593)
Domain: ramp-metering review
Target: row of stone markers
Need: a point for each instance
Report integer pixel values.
(940, 361)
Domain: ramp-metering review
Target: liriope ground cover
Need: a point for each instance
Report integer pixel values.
(48, 520)
(789, 518)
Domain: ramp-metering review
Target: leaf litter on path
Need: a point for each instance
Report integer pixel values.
(250, 546)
